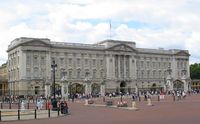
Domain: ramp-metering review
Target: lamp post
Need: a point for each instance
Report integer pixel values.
(54, 101)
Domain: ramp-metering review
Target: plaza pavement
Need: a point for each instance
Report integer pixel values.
(163, 112)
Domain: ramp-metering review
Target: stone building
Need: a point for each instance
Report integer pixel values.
(3, 80)
(103, 67)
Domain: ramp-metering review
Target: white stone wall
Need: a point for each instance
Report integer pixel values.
(146, 66)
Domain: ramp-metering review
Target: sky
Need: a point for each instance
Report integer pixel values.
(168, 24)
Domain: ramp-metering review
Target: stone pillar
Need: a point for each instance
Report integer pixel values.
(64, 90)
(183, 79)
(88, 88)
(47, 90)
(119, 70)
(124, 66)
(136, 88)
(102, 89)
(169, 84)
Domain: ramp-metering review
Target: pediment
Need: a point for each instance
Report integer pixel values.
(182, 53)
(121, 47)
(36, 42)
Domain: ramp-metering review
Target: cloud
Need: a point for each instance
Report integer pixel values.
(171, 24)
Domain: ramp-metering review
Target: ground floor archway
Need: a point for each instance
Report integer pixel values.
(95, 89)
(76, 88)
(57, 89)
(123, 88)
(178, 85)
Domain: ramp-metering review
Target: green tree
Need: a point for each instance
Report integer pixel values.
(195, 71)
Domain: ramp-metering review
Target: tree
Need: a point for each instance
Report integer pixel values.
(195, 71)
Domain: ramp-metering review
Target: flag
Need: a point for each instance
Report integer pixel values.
(110, 25)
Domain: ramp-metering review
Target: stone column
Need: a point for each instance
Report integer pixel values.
(64, 90)
(119, 72)
(183, 79)
(88, 88)
(136, 88)
(47, 90)
(102, 89)
(169, 84)
(124, 66)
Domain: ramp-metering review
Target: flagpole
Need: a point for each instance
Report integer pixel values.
(110, 29)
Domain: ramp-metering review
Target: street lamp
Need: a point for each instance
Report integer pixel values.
(54, 101)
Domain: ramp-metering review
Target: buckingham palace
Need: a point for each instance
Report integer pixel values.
(104, 67)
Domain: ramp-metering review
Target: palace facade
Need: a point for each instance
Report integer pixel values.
(3, 80)
(103, 67)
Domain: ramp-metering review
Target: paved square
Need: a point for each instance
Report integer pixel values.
(164, 112)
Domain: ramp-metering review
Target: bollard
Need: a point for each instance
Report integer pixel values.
(18, 114)
(49, 113)
(158, 98)
(18, 105)
(86, 102)
(104, 99)
(35, 114)
(139, 98)
(10, 105)
(134, 106)
(174, 98)
(28, 105)
(0, 115)
(149, 102)
(46, 104)
(58, 111)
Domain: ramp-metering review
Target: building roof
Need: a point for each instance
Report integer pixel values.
(97, 46)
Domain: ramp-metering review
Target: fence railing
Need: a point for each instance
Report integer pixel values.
(27, 114)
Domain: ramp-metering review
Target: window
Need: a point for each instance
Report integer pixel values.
(154, 74)
(78, 62)
(159, 74)
(154, 64)
(101, 74)
(35, 72)
(61, 61)
(42, 60)
(147, 64)
(78, 73)
(148, 74)
(35, 60)
(28, 60)
(94, 73)
(137, 73)
(70, 61)
(43, 73)
(28, 72)
(86, 61)
(94, 62)
(142, 74)
(70, 73)
(101, 62)
(142, 64)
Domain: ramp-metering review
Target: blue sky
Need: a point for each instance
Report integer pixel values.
(168, 24)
